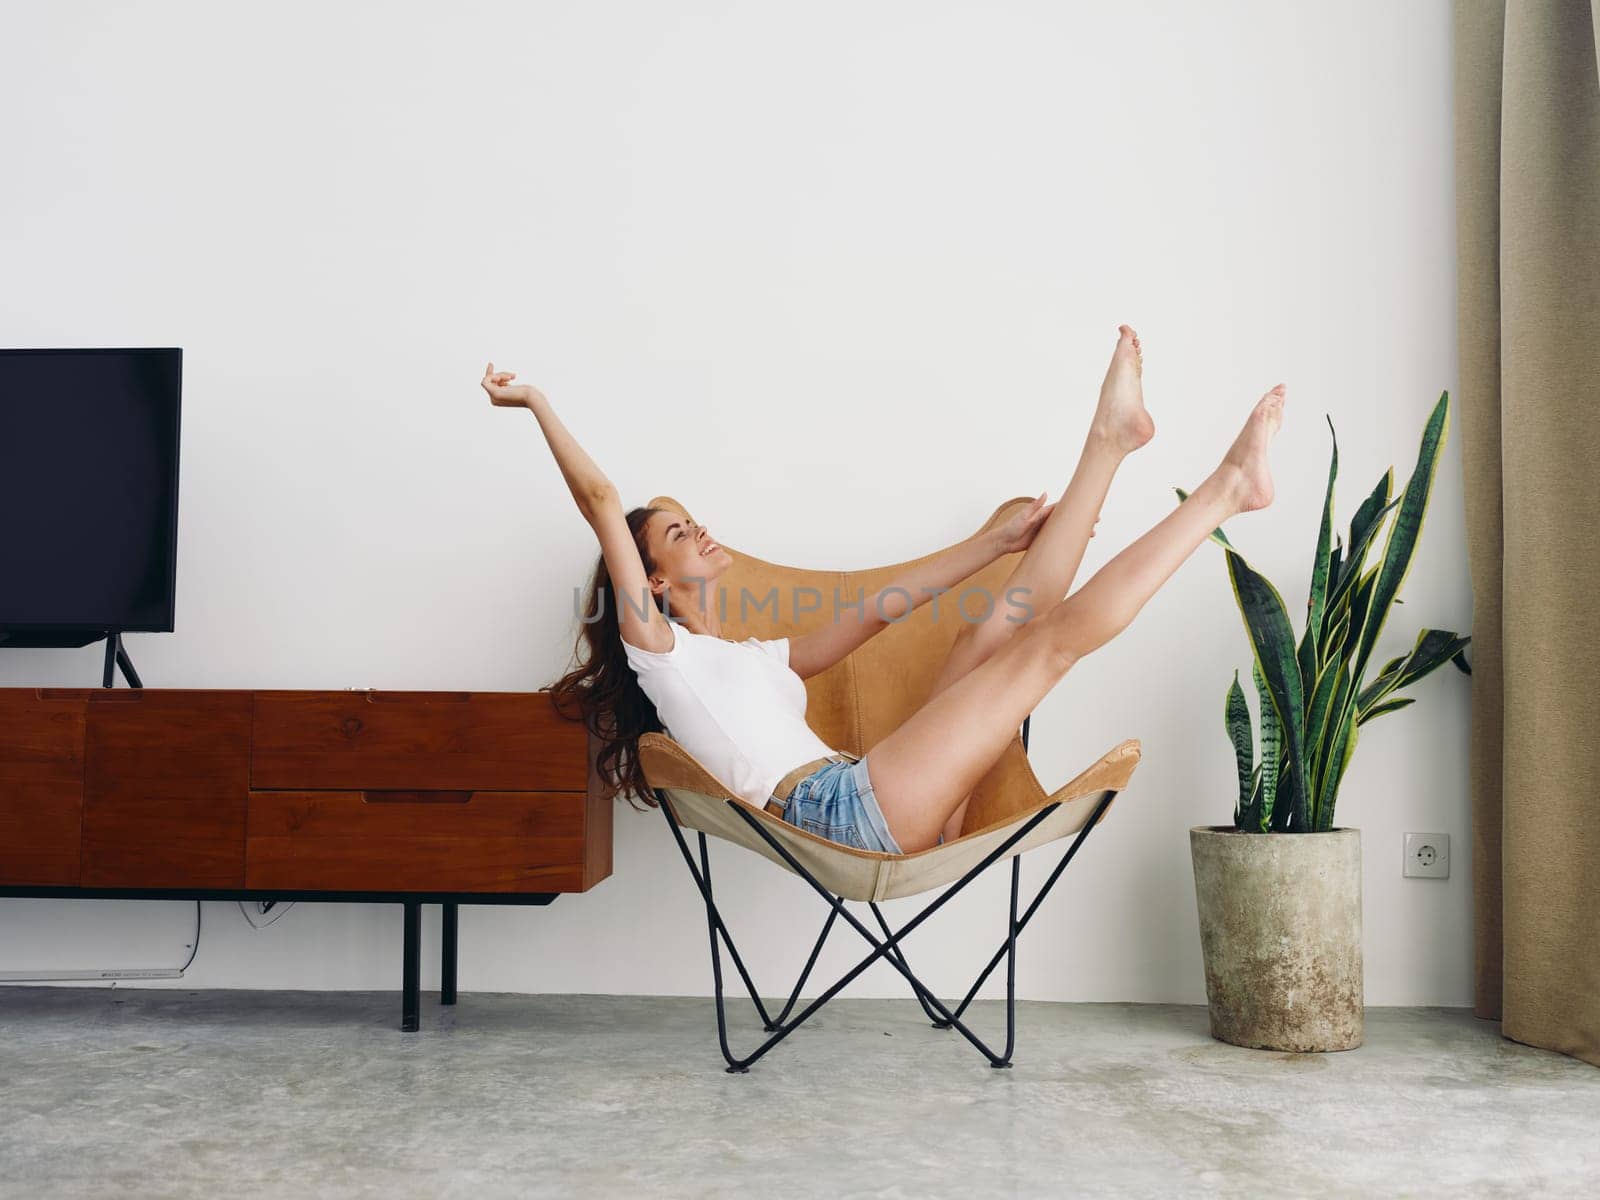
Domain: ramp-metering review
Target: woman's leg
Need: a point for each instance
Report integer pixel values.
(922, 770)
(1120, 425)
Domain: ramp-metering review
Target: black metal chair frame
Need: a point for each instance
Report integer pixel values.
(889, 950)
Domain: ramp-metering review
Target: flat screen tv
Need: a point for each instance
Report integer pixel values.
(88, 493)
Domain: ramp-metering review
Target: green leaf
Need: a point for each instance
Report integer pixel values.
(1335, 636)
(1287, 805)
(1405, 529)
(1385, 682)
(1272, 640)
(1254, 821)
(1340, 759)
(1236, 719)
(1433, 649)
(1317, 600)
(1365, 523)
(1351, 578)
(1330, 734)
(1317, 717)
(1360, 604)
(1330, 788)
(1393, 665)
(1271, 745)
(1387, 706)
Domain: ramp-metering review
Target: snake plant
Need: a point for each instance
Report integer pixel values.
(1313, 697)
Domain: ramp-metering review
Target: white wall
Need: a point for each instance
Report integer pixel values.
(839, 277)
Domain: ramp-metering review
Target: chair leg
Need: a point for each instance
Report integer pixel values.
(714, 919)
(900, 953)
(716, 925)
(1011, 962)
(833, 914)
(1010, 949)
(1010, 945)
(768, 1023)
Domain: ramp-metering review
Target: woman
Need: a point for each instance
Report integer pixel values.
(739, 707)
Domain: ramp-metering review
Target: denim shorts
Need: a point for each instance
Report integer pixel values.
(836, 802)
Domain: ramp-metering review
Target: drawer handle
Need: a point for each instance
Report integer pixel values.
(415, 797)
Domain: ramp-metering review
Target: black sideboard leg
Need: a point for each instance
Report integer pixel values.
(447, 964)
(410, 1003)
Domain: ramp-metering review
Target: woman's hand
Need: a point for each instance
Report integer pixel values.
(503, 393)
(1018, 533)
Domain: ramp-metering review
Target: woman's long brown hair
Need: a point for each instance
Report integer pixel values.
(602, 691)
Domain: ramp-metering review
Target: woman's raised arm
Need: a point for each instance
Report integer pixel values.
(584, 478)
(818, 650)
(642, 623)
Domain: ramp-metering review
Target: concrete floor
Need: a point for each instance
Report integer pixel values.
(232, 1093)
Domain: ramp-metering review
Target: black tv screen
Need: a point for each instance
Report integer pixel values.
(88, 493)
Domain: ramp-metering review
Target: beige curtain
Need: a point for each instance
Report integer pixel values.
(1527, 92)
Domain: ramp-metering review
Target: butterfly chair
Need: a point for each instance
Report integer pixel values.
(851, 706)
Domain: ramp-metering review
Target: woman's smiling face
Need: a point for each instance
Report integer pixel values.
(686, 556)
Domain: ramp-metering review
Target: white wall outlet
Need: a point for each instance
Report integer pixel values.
(1427, 856)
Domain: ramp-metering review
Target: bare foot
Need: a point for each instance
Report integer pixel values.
(1120, 418)
(1246, 460)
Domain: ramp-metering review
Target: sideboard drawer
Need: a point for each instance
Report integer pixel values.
(488, 741)
(447, 841)
(41, 785)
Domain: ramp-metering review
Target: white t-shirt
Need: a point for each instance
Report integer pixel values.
(736, 706)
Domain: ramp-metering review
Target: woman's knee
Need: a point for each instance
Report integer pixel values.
(986, 637)
(1065, 634)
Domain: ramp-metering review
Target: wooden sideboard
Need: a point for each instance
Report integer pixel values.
(407, 797)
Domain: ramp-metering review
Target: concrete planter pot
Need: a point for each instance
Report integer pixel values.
(1280, 930)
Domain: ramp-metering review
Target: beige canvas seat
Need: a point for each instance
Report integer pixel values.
(852, 706)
